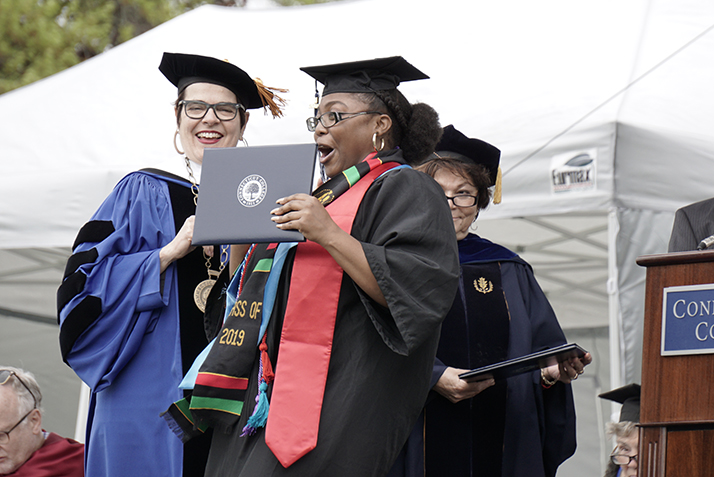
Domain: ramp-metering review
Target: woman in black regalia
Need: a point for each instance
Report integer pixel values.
(357, 308)
(525, 425)
(129, 324)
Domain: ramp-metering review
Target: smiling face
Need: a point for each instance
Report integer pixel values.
(24, 439)
(197, 134)
(350, 140)
(453, 185)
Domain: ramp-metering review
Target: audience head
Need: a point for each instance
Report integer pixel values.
(626, 431)
(20, 418)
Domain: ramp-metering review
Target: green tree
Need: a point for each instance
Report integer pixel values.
(41, 37)
(292, 3)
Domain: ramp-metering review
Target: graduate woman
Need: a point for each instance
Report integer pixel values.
(344, 363)
(130, 326)
(524, 425)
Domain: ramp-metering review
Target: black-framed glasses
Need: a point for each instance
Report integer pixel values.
(199, 109)
(622, 459)
(5, 376)
(463, 200)
(331, 118)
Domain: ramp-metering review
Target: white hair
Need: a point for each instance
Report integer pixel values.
(621, 429)
(26, 400)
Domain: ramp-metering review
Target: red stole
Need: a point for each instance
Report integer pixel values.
(306, 340)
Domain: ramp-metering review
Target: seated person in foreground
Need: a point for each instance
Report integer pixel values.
(25, 448)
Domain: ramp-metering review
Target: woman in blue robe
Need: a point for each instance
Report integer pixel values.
(129, 326)
(524, 425)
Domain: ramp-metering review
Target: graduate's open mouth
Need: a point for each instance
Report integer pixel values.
(325, 152)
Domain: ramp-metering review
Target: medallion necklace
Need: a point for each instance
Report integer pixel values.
(200, 294)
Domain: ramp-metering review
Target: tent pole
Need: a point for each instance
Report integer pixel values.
(613, 228)
(613, 292)
(80, 430)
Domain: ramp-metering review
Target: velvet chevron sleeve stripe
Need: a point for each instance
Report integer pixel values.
(78, 320)
(70, 288)
(78, 259)
(94, 231)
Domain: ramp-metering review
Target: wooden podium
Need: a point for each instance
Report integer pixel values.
(677, 400)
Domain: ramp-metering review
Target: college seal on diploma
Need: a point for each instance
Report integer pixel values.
(252, 190)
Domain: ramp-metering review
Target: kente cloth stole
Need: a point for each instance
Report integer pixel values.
(221, 383)
(308, 328)
(222, 379)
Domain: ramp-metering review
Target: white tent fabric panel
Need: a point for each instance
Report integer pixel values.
(491, 65)
(641, 232)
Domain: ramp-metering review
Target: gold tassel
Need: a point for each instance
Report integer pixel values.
(497, 189)
(270, 99)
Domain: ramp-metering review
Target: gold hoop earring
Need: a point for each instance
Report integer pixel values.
(175, 145)
(374, 143)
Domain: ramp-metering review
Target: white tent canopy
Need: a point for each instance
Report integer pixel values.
(625, 85)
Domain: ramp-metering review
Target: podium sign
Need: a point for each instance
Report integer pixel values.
(688, 320)
(677, 401)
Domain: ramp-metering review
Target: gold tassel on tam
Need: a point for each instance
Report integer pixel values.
(497, 189)
(270, 99)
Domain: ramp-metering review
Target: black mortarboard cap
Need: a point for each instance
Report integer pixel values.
(456, 145)
(182, 70)
(629, 397)
(367, 76)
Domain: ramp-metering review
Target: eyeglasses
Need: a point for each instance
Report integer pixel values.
(199, 109)
(331, 118)
(4, 378)
(463, 200)
(623, 459)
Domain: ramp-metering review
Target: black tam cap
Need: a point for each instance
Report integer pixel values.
(629, 397)
(183, 70)
(456, 145)
(365, 76)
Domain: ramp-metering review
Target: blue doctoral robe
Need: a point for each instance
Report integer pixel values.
(539, 429)
(123, 329)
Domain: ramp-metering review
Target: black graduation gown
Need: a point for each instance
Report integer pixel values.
(536, 425)
(382, 358)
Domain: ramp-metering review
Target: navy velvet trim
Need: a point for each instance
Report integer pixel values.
(473, 249)
(79, 259)
(70, 288)
(94, 231)
(78, 320)
(166, 176)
